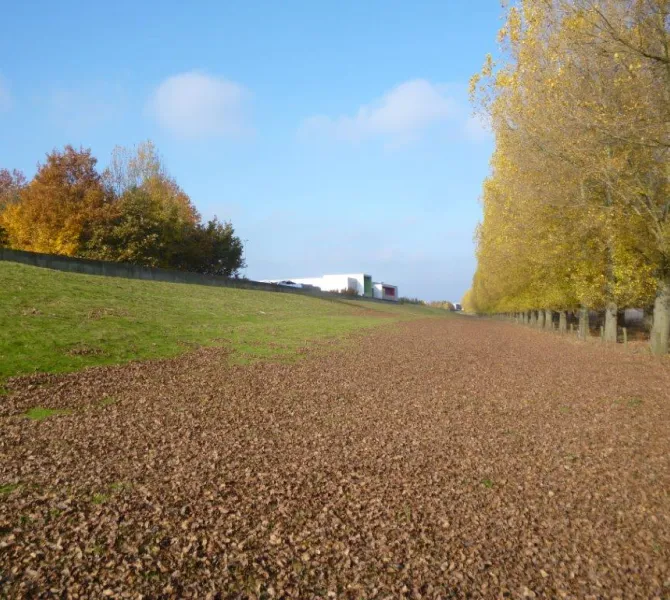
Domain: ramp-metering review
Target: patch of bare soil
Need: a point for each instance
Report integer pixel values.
(452, 458)
(98, 313)
(84, 350)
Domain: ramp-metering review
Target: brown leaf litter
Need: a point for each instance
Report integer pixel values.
(450, 458)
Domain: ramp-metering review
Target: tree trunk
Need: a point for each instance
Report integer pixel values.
(563, 321)
(540, 319)
(660, 328)
(549, 319)
(611, 313)
(583, 323)
(648, 318)
(533, 318)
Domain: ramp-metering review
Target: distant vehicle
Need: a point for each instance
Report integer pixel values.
(289, 283)
(457, 306)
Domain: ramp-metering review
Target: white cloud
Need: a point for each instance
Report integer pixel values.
(401, 114)
(5, 95)
(197, 105)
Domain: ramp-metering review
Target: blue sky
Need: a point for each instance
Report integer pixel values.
(336, 136)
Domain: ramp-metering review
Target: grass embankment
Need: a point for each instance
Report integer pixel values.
(53, 322)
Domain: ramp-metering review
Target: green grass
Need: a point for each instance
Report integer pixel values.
(56, 322)
(633, 402)
(39, 414)
(119, 485)
(8, 488)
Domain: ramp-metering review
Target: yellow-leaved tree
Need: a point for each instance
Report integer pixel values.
(54, 212)
(576, 209)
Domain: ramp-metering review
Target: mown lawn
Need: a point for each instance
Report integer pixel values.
(54, 322)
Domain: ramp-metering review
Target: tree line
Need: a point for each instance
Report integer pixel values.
(444, 304)
(576, 208)
(133, 211)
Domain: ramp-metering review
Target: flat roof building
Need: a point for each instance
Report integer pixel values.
(359, 284)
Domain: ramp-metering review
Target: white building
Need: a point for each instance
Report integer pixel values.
(359, 283)
(385, 291)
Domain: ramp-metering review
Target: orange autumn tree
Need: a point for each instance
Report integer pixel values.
(54, 212)
(134, 212)
(11, 184)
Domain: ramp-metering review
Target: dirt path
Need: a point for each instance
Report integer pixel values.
(446, 458)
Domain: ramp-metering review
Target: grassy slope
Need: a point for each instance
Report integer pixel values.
(53, 321)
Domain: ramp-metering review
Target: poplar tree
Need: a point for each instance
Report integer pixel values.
(577, 210)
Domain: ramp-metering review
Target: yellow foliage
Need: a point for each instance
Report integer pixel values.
(54, 209)
(575, 208)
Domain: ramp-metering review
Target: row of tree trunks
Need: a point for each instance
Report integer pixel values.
(544, 319)
(660, 326)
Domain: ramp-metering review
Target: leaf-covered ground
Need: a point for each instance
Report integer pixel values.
(443, 458)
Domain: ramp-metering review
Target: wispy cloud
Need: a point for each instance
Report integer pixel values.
(400, 115)
(86, 106)
(5, 95)
(197, 105)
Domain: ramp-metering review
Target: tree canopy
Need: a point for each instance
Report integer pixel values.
(576, 209)
(133, 212)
